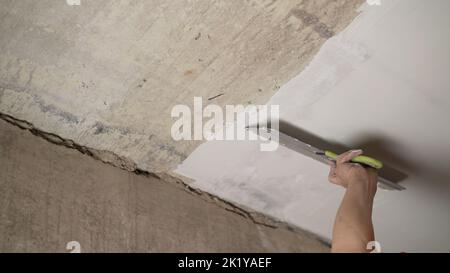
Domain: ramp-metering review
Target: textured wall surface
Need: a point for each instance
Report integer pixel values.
(51, 195)
(107, 73)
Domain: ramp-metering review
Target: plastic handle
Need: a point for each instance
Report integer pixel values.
(361, 159)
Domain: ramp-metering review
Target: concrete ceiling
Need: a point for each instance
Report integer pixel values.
(381, 85)
(106, 74)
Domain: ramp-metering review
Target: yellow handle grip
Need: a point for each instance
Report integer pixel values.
(361, 159)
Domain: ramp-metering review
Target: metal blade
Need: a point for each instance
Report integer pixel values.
(301, 147)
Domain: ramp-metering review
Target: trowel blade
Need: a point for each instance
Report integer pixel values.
(304, 148)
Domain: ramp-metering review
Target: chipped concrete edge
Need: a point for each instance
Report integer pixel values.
(177, 180)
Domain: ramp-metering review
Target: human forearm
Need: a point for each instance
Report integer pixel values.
(353, 227)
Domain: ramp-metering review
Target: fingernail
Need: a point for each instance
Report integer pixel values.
(357, 151)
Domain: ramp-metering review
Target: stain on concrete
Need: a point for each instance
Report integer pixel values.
(101, 128)
(53, 110)
(188, 72)
(311, 20)
(172, 151)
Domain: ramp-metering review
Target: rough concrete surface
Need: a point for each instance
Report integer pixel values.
(51, 195)
(107, 73)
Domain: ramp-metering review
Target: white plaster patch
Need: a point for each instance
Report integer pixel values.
(382, 84)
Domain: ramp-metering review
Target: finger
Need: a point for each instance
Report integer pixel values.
(332, 174)
(331, 163)
(341, 157)
(373, 171)
(347, 156)
(334, 180)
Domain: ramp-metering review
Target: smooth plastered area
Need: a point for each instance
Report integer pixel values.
(381, 85)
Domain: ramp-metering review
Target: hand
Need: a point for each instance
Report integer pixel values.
(353, 227)
(343, 172)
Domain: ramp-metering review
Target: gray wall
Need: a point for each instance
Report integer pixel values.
(51, 195)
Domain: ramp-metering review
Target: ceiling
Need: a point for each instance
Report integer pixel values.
(381, 85)
(106, 74)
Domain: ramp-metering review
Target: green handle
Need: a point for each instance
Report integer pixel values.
(362, 159)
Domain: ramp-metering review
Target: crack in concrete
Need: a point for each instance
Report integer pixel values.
(124, 163)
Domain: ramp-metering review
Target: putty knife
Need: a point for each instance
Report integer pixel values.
(301, 147)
